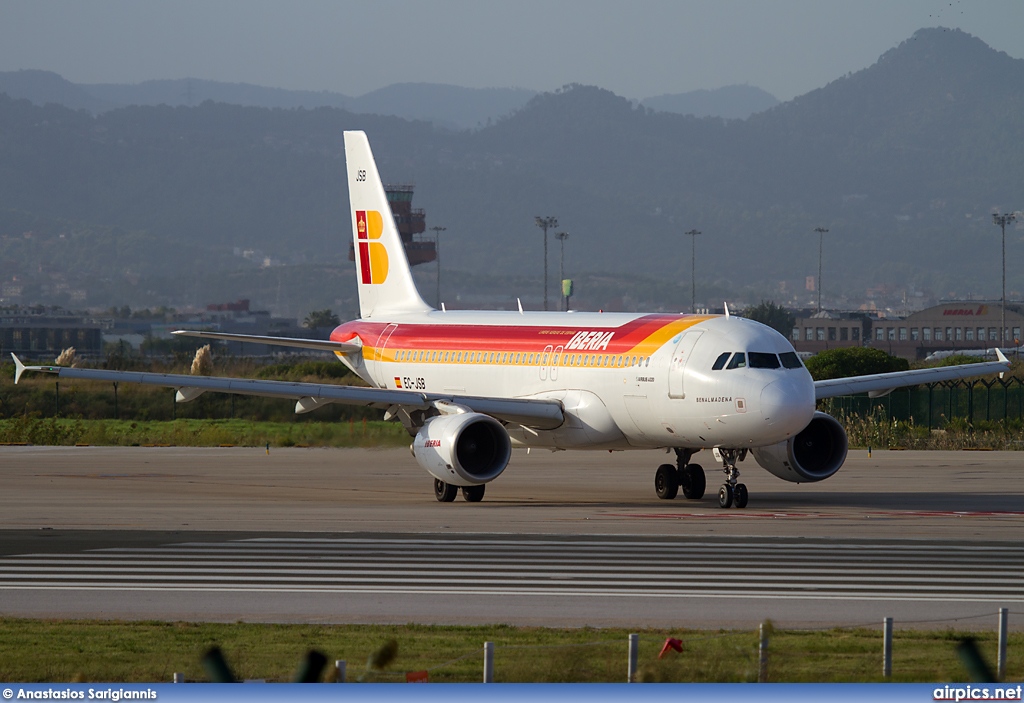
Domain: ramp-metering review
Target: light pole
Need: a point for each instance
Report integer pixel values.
(546, 223)
(561, 237)
(821, 238)
(1002, 221)
(437, 256)
(693, 269)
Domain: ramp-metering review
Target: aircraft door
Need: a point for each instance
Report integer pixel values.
(545, 361)
(379, 354)
(554, 362)
(678, 364)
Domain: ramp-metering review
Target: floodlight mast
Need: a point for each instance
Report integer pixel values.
(437, 253)
(561, 237)
(546, 223)
(1001, 221)
(821, 238)
(693, 269)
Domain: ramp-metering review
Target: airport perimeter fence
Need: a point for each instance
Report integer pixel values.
(852, 653)
(937, 405)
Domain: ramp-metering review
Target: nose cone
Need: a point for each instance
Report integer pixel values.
(787, 404)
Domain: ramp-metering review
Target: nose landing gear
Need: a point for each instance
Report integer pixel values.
(732, 492)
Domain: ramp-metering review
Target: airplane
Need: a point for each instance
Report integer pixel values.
(470, 385)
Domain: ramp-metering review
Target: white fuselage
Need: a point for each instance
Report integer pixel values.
(624, 380)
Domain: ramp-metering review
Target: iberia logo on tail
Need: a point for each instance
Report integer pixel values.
(373, 256)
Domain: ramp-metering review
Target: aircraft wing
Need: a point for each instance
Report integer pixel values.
(534, 413)
(318, 344)
(880, 384)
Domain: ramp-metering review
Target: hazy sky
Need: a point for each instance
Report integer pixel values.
(637, 49)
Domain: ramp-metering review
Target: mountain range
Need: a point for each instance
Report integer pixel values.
(903, 162)
(448, 106)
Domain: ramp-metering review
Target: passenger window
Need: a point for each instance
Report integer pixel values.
(763, 360)
(720, 361)
(790, 360)
(739, 361)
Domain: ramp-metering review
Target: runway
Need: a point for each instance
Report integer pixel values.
(585, 580)
(348, 536)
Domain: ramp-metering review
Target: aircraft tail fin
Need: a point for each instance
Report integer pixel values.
(383, 274)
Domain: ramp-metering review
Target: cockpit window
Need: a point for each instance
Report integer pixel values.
(720, 362)
(790, 360)
(763, 360)
(739, 360)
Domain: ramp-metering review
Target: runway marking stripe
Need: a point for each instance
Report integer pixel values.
(585, 546)
(551, 586)
(626, 543)
(476, 575)
(756, 595)
(748, 515)
(927, 570)
(458, 569)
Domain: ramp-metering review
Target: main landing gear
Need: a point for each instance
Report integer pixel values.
(669, 479)
(446, 492)
(690, 478)
(731, 492)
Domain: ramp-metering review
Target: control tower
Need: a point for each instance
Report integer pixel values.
(411, 225)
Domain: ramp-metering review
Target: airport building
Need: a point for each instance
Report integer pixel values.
(948, 326)
(41, 333)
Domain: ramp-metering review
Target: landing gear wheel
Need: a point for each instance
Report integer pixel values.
(445, 492)
(725, 495)
(692, 481)
(666, 482)
(740, 496)
(473, 494)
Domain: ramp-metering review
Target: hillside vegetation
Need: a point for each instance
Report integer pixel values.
(902, 161)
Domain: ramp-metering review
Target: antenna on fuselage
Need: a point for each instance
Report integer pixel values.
(520, 306)
(726, 311)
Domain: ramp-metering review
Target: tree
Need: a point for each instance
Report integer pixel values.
(775, 316)
(321, 318)
(853, 361)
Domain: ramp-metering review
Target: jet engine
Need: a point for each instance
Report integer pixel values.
(464, 449)
(813, 454)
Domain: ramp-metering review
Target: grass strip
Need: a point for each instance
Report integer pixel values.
(112, 651)
(202, 433)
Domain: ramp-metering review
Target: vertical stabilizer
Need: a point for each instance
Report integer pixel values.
(383, 275)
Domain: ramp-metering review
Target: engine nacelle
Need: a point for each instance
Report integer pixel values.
(813, 454)
(464, 449)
